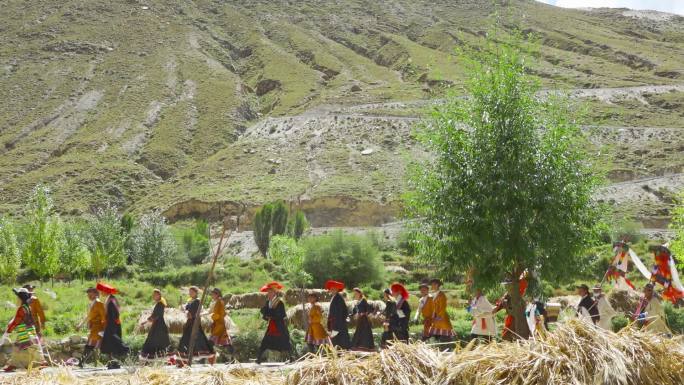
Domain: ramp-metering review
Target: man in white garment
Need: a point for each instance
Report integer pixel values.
(650, 315)
(484, 324)
(606, 311)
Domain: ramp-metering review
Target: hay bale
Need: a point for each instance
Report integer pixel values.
(175, 320)
(292, 297)
(245, 301)
(624, 301)
(294, 314)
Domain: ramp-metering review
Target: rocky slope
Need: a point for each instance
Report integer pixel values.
(213, 107)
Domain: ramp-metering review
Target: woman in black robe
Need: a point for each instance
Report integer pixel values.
(363, 335)
(202, 346)
(277, 336)
(389, 314)
(157, 343)
(337, 316)
(112, 341)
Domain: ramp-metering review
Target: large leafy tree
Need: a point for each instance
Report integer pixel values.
(74, 256)
(153, 244)
(262, 228)
(106, 240)
(509, 187)
(279, 218)
(43, 234)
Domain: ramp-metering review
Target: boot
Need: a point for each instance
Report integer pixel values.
(260, 356)
(87, 352)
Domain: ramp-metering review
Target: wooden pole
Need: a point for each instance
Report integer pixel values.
(197, 320)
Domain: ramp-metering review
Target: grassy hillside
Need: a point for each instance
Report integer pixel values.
(183, 105)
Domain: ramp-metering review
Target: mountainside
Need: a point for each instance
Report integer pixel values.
(212, 107)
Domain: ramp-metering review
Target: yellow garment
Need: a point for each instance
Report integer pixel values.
(37, 313)
(96, 322)
(655, 317)
(440, 319)
(316, 331)
(218, 318)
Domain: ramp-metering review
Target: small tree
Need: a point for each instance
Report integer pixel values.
(75, 256)
(510, 187)
(106, 240)
(10, 258)
(43, 234)
(153, 244)
(196, 241)
(279, 218)
(298, 225)
(291, 256)
(677, 225)
(262, 228)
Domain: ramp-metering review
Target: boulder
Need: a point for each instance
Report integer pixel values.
(245, 301)
(292, 296)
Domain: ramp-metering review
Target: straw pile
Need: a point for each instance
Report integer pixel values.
(576, 353)
(175, 320)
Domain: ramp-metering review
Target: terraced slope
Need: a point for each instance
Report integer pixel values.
(205, 107)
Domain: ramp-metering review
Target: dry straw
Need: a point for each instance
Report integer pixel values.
(576, 353)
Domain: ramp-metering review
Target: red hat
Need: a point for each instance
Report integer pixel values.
(399, 288)
(105, 288)
(271, 285)
(330, 284)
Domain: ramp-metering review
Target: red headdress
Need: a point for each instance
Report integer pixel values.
(330, 284)
(399, 288)
(271, 285)
(105, 288)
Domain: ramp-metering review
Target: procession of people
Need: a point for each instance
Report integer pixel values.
(330, 332)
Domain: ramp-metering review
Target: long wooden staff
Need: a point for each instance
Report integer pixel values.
(198, 316)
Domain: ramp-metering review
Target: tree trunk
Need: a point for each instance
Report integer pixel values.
(520, 328)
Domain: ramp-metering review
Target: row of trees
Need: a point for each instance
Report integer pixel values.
(275, 219)
(47, 245)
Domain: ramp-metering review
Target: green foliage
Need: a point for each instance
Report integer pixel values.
(352, 259)
(153, 244)
(290, 255)
(262, 228)
(75, 256)
(674, 317)
(10, 257)
(106, 240)
(279, 218)
(43, 234)
(196, 241)
(619, 322)
(297, 225)
(677, 224)
(512, 192)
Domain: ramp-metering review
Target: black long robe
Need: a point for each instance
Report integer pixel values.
(390, 309)
(157, 342)
(277, 336)
(337, 321)
(202, 345)
(363, 335)
(400, 325)
(112, 342)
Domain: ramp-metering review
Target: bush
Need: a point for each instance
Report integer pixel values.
(262, 228)
(352, 259)
(153, 244)
(675, 318)
(196, 242)
(619, 322)
(297, 225)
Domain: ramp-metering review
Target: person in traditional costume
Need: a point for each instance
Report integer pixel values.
(363, 335)
(484, 323)
(441, 324)
(202, 348)
(36, 310)
(96, 321)
(390, 315)
(277, 336)
(606, 311)
(535, 315)
(338, 315)
(506, 303)
(618, 268)
(27, 351)
(399, 320)
(586, 308)
(316, 336)
(112, 340)
(157, 343)
(650, 315)
(425, 309)
(219, 331)
(665, 273)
